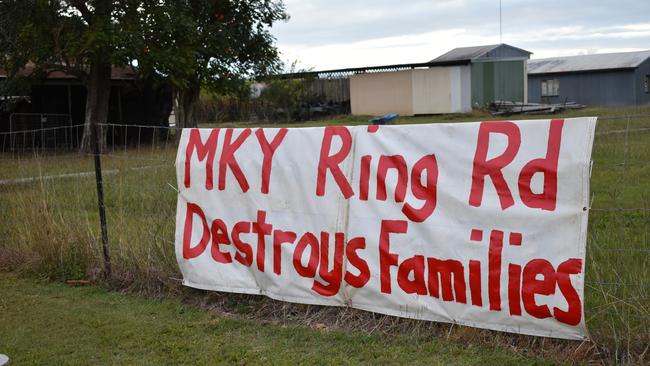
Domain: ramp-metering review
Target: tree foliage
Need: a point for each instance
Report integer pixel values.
(189, 43)
(288, 96)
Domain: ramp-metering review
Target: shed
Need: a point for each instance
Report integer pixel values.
(452, 83)
(434, 90)
(498, 71)
(608, 79)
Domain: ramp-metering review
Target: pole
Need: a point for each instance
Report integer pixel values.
(96, 131)
(500, 25)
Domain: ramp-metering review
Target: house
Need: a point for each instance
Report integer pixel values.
(611, 79)
(56, 102)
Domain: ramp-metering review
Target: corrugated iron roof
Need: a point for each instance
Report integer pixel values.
(368, 69)
(472, 53)
(601, 61)
(466, 53)
(455, 57)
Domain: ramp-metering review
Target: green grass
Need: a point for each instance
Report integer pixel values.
(49, 228)
(47, 323)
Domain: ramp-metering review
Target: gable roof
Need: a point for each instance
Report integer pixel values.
(601, 61)
(477, 52)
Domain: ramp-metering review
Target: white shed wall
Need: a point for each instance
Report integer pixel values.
(382, 93)
(466, 90)
(421, 91)
(431, 90)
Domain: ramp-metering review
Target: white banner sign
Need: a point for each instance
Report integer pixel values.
(481, 224)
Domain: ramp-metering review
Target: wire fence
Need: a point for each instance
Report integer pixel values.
(51, 222)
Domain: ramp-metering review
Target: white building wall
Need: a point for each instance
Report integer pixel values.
(380, 93)
(466, 89)
(432, 90)
(437, 90)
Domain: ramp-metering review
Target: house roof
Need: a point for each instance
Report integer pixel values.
(476, 52)
(602, 61)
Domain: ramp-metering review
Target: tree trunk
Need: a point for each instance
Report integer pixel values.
(187, 99)
(98, 90)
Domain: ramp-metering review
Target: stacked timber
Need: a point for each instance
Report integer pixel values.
(500, 107)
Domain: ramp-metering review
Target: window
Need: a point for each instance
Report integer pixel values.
(646, 87)
(551, 87)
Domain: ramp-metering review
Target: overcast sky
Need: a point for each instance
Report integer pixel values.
(327, 34)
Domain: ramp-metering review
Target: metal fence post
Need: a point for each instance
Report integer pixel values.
(96, 132)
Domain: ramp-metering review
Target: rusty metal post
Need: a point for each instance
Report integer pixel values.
(96, 132)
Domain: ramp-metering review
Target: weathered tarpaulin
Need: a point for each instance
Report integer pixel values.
(482, 224)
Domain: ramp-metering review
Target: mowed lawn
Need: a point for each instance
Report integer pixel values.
(53, 324)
